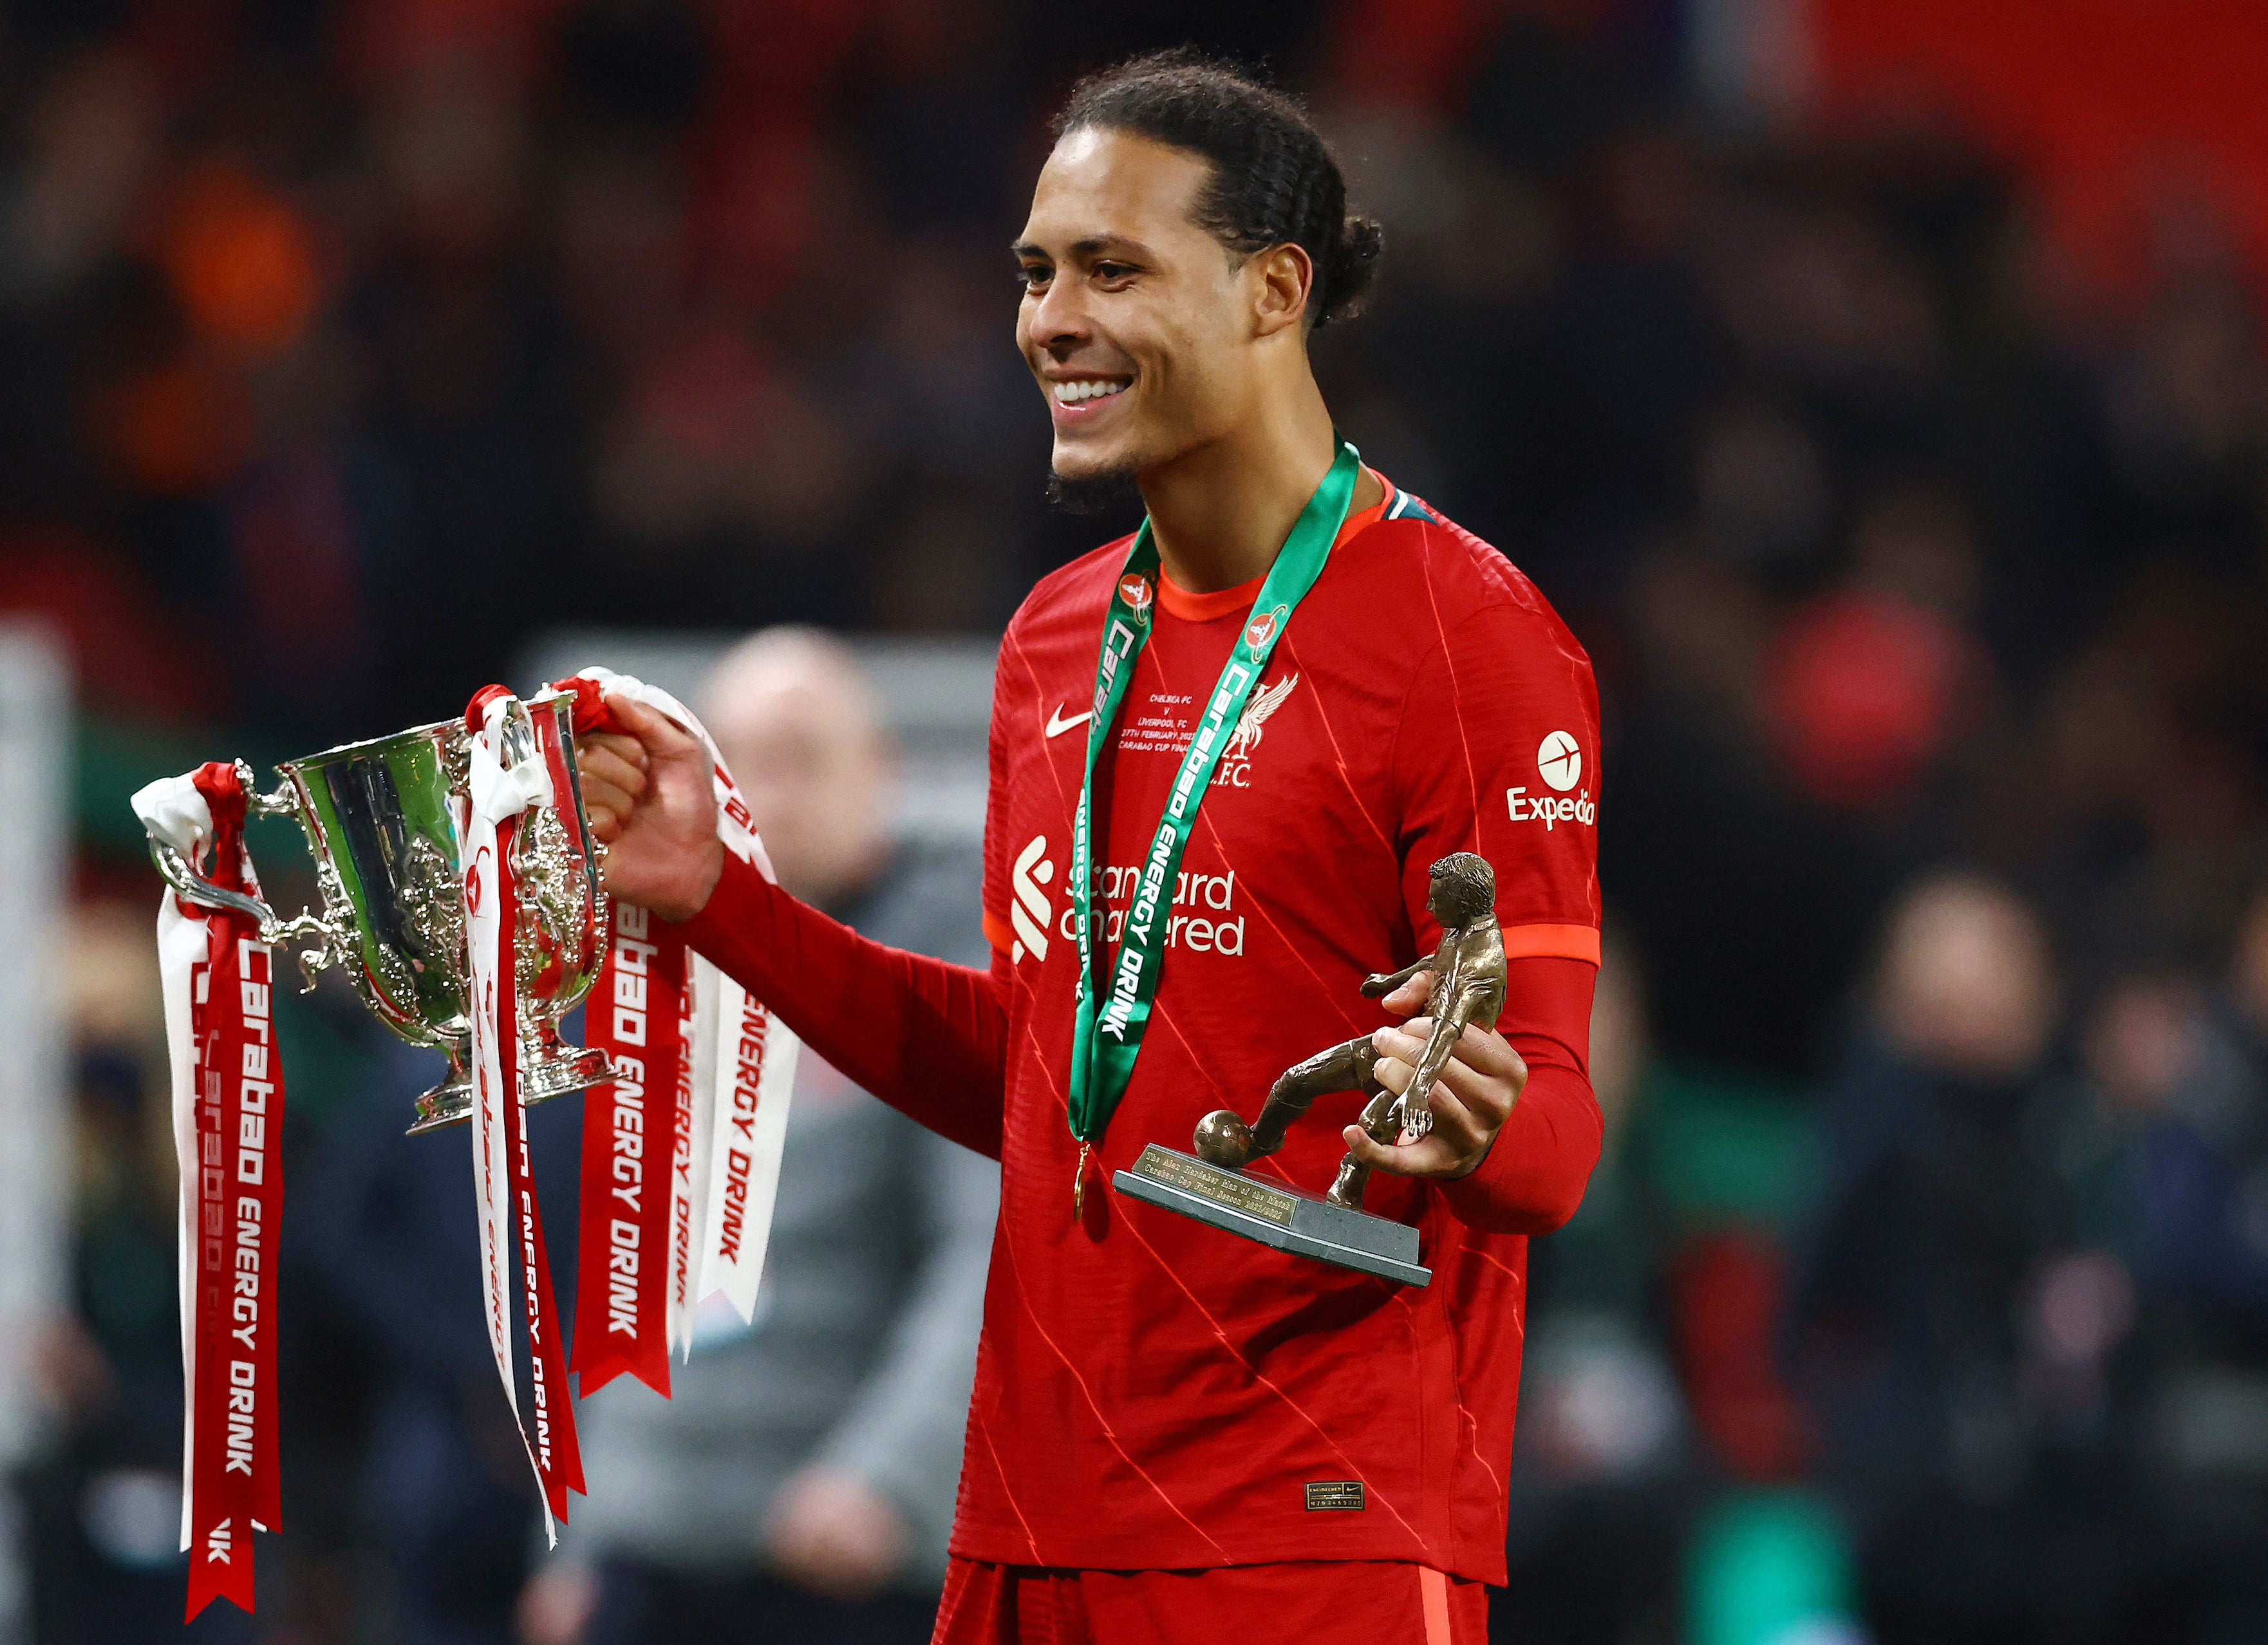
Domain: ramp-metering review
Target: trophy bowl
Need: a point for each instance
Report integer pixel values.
(383, 820)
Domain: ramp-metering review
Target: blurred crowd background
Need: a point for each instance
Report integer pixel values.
(1879, 389)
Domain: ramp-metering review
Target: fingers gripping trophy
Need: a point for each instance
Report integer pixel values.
(1467, 972)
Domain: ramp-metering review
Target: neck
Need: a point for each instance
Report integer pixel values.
(1219, 513)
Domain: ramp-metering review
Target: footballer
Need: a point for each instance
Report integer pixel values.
(1249, 730)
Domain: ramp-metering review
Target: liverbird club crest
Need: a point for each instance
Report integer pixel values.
(1258, 632)
(1262, 703)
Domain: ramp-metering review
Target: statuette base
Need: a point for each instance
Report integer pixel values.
(1276, 1214)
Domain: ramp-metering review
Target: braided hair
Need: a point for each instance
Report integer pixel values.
(1274, 182)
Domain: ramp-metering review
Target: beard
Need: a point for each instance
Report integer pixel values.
(1098, 493)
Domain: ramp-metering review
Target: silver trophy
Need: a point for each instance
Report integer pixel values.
(382, 820)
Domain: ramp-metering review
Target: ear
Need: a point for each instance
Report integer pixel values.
(1286, 279)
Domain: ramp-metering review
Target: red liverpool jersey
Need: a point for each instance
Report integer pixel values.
(1152, 1392)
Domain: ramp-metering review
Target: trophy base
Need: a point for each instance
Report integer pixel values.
(1289, 1218)
(551, 1071)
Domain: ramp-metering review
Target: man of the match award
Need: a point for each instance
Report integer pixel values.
(1467, 972)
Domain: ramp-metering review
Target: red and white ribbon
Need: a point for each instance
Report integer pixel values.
(228, 1122)
(707, 1060)
(682, 1156)
(635, 1013)
(513, 767)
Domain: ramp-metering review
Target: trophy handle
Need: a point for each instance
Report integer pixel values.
(181, 873)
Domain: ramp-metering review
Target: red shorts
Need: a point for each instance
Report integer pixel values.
(1379, 1603)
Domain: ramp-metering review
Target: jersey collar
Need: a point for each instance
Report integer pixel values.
(1177, 601)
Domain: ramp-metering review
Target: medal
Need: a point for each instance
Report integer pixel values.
(1107, 1033)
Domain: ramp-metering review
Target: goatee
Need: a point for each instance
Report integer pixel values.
(1097, 493)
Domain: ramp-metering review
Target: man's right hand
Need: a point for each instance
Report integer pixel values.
(652, 803)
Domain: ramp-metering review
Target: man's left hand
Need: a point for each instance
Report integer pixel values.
(1471, 1100)
(833, 1533)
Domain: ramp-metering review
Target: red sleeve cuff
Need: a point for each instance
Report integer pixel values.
(1552, 942)
(1534, 1176)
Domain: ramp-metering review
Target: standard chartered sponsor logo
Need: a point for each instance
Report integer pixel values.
(1204, 920)
(1559, 762)
(1030, 913)
(1209, 925)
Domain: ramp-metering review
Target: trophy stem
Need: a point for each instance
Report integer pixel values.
(549, 1067)
(450, 1101)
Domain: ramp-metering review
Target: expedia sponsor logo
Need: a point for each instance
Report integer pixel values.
(1559, 761)
(1135, 590)
(1030, 914)
(1550, 811)
(1262, 629)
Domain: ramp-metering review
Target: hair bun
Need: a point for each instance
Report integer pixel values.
(1344, 287)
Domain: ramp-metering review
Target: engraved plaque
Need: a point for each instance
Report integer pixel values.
(1241, 1193)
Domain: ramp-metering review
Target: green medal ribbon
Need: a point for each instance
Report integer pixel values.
(1107, 1036)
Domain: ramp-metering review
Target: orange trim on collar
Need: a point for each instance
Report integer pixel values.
(1178, 601)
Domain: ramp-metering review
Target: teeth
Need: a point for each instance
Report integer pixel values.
(1084, 389)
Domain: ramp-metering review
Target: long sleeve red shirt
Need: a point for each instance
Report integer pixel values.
(1152, 1392)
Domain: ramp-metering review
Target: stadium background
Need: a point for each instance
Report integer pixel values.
(1879, 389)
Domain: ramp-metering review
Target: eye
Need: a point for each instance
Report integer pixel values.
(1112, 273)
(1032, 277)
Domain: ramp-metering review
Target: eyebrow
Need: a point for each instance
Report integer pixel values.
(1088, 248)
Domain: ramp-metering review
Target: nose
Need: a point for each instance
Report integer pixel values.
(1058, 322)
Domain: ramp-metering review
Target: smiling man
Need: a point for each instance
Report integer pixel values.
(1224, 753)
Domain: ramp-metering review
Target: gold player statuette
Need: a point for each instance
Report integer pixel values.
(1468, 969)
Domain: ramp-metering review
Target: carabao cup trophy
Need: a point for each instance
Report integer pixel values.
(381, 819)
(1469, 980)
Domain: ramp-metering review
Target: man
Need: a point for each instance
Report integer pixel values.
(1175, 1434)
(799, 1482)
(1960, 1416)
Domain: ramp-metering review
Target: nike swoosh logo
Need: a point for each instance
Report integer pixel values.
(1057, 725)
